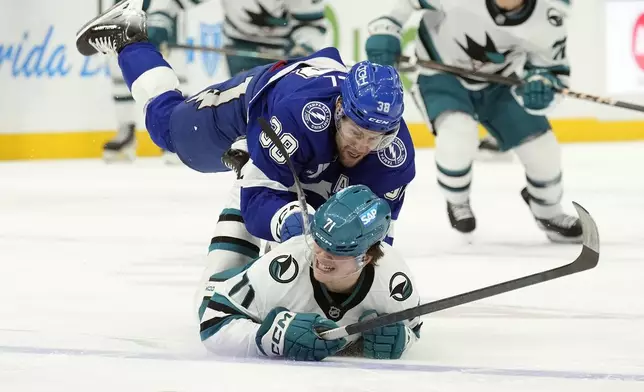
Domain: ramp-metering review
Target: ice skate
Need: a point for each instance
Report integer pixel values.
(122, 147)
(561, 228)
(122, 24)
(236, 156)
(461, 217)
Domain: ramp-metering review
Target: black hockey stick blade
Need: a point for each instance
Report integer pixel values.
(268, 130)
(587, 259)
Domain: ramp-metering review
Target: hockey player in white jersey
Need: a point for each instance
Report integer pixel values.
(339, 274)
(286, 28)
(506, 37)
(164, 22)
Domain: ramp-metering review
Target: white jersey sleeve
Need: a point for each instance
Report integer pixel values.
(544, 39)
(394, 290)
(236, 301)
(230, 314)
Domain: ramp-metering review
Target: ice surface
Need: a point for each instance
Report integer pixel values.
(98, 265)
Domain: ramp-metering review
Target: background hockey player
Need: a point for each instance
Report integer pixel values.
(163, 26)
(527, 37)
(340, 274)
(340, 128)
(284, 28)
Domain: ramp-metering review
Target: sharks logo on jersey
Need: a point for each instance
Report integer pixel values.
(400, 287)
(283, 269)
(264, 18)
(484, 54)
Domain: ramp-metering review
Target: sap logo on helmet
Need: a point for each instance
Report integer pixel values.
(361, 75)
(378, 121)
(368, 216)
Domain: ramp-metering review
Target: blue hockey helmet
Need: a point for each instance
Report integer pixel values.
(351, 221)
(372, 96)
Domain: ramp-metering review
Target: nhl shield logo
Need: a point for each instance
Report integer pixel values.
(334, 313)
(211, 36)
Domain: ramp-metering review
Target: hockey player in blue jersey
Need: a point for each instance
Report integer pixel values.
(339, 127)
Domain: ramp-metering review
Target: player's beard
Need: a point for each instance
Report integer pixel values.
(348, 155)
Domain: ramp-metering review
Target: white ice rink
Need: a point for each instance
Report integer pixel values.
(98, 265)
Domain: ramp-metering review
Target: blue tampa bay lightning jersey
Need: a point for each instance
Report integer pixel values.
(298, 98)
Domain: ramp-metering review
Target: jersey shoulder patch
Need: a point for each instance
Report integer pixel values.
(284, 268)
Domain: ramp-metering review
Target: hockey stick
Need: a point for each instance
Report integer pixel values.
(587, 259)
(268, 130)
(513, 81)
(229, 52)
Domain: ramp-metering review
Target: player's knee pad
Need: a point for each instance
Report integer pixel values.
(457, 139)
(541, 158)
(456, 147)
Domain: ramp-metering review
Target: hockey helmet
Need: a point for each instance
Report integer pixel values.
(351, 221)
(372, 96)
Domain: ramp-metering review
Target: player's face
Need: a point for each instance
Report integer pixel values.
(337, 273)
(354, 142)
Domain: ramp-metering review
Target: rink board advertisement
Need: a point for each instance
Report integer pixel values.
(57, 103)
(624, 46)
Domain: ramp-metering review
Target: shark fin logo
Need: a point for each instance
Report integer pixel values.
(264, 18)
(400, 287)
(484, 54)
(283, 269)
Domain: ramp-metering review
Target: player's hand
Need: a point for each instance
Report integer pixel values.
(387, 342)
(292, 336)
(293, 226)
(538, 89)
(383, 46)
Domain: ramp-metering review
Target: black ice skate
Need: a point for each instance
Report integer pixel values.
(562, 228)
(461, 217)
(236, 156)
(122, 24)
(123, 146)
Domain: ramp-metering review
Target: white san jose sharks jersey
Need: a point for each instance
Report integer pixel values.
(236, 301)
(275, 24)
(478, 35)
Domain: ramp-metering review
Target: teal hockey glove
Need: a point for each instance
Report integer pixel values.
(538, 89)
(387, 342)
(292, 335)
(383, 46)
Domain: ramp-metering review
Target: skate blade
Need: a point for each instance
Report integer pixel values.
(119, 156)
(116, 9)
